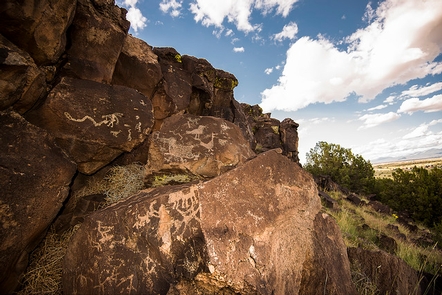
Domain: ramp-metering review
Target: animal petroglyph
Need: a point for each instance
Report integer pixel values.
(109, 120)
(197, 132)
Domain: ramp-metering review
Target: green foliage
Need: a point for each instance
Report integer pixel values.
(418, 192)
(345, 168)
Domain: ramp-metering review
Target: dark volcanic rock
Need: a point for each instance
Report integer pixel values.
(94, 122)
(228, 235)
(97, 36)
(200, 145)
(37, 27)
(389, 273)
(137, 67)
(34, 178)
(21, 81)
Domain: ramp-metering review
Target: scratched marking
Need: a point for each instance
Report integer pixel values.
(109, 120)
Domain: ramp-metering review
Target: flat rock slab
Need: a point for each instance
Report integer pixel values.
(230, 235)
(94, 122)
(34, 178)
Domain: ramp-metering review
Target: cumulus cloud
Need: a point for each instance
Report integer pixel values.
(372, 120)
(238, 12)
(415, 90)
(134, 15)
(432, 104)
(400, 43)
(238, 49)
(268, 71)
(172, 7)
(289, 31)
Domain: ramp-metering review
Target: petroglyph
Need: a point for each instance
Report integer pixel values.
(109, 120)
(209, 145)
(115, 133)
(129, 135)
(197, 132)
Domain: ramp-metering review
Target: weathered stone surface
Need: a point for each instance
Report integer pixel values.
(34, 179)
(94, 122)
(37, 27)
(289, 137)
(199, 145)
(21, 82)
(390, 274)
(97, 36)
(137, 67)
(174, 91)
(228, 235)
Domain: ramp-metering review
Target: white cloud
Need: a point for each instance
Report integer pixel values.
(134, 15)
(234, 40)
(432, 104)
(268, 71)
(213, 13)
(400, 44)
(390, 99)
(289, 31)
(238, 49)
(372, 120)
(415, 90)
(229, 33)
(379, 107)
(172, 7)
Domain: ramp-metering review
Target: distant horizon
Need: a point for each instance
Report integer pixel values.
(365, 75)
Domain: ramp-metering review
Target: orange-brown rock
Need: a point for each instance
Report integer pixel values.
(94, 122)
(137, 67)
(197, 145)
(97, 36)
(229, 235)
(34, 178)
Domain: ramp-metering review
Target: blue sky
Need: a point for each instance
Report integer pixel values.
(365, 75)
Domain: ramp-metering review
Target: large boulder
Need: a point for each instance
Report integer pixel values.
(137, 67)
(37, 27)
(390, 274)
(21, 81)
(229, 235)
(34, 178)
(94, 122)
(197, 145)
(97, 36)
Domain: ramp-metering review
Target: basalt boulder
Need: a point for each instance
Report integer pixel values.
(94, 122)
(137, 67)
(200, 146)
(38, 27)
(228, 235)
(97, 35)
(35, 176)
(21, 81)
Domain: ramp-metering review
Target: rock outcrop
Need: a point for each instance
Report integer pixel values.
(200, 146)
(227, 234)
(35, 176)
(78, 95)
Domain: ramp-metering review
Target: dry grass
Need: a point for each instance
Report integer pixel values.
(43, 275)
(385, 170)
(119, 183)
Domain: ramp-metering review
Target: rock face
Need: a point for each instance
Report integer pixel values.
(34, 178)
(97, 35)
(37, 27)
(390, 274)
(21, 81)
(94, 122)
(226, 235)
(197, 145)
(79, 95)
